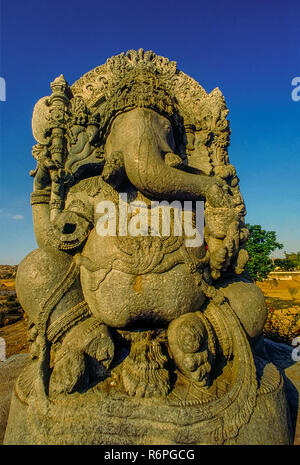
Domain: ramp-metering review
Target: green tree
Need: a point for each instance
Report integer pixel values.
(259, 246)
(294, 259)
(284, 264)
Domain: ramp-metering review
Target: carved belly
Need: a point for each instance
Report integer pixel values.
(123, 283)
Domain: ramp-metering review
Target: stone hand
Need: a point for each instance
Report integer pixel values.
(42, 178)
(69, 372)
(85, 354)
(217, 194)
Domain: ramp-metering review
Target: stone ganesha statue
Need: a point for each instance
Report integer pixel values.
(118, 319)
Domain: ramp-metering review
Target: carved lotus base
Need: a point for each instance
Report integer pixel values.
(107, 415)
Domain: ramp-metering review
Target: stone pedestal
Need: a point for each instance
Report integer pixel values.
(104, 415)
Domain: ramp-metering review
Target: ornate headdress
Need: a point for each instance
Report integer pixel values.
(139, 88)
(80, 115)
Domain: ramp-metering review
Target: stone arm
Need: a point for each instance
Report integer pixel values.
(68, 230)
(41, 216)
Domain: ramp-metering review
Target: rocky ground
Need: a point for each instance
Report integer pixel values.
(280, 354)
(8, 271)
(281, 290)
(15, 336)
(10, 309)
(9, 371)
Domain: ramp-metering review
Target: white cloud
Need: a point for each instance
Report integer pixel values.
(18, 217)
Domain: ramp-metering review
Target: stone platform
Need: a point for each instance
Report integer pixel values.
(279, 354)
(107, 416)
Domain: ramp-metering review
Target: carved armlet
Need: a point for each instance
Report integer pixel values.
(72, 226)
(40, 196)
(67, 321)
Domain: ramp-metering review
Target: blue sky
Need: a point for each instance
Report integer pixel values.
(249, 49)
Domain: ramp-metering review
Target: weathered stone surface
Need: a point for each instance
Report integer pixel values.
(281, 356)
(9, 372)
(143, 326)
(102, 419)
